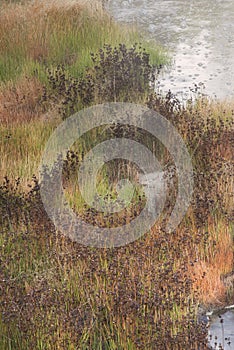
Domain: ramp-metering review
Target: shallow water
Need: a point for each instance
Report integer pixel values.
(198, 33)
(223, 331)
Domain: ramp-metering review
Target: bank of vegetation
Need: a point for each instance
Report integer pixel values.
(56, 59)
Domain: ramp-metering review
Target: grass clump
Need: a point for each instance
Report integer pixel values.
(118, 74)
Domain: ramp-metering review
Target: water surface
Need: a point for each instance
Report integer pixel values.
(222, 330)
(198, 33)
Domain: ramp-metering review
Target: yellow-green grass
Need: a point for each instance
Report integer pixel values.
(22, 142)
(44, 33)
(21, 148)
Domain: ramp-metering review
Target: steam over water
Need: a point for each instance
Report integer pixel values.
(199, 35)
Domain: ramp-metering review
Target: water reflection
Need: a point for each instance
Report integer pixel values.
(222, 330)
(199, 33)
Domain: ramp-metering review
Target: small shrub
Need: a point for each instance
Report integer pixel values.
(119, 74)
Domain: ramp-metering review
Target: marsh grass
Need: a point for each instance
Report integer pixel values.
(55, 293)
(141, 296)
(44, 33)
(21, 148)
(81, 295)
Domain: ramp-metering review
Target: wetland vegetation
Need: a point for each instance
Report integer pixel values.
(55, 60)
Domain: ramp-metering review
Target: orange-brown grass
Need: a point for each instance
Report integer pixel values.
(216, 260)
(210, 288)
(20, 102)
